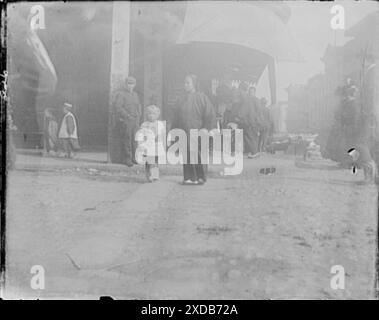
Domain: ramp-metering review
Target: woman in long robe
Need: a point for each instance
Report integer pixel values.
(194, 112)
(50, 131)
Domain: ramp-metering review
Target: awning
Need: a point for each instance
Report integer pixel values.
(30, 59)
(258, 27)
(47, 75)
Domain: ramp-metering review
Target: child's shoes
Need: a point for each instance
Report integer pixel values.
(154, 173)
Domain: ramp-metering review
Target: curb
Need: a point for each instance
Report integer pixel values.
(317, 164)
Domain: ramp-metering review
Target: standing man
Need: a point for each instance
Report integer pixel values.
(267, 125)
(247, 121)
(128, 112)
(349, 116)
(253, 121)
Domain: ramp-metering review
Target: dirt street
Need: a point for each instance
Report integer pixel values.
(250, 236)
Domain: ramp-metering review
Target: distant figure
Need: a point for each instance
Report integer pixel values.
(223, 100)
(68, 132)
(266, 126)
(243, 114)
(156, 128)
(350, 114)
(345, 131)
(195, 111)
(50, 132)
(361, 158)
(128, 109)
(235, 115)
(252, 135)
(11, 148)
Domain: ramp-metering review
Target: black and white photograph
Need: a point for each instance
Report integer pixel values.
(189, 150)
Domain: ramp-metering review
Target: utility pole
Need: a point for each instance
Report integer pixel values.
(121, 25)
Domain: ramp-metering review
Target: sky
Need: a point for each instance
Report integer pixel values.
(310, 26)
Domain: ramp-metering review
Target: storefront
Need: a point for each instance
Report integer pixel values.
(93, 48)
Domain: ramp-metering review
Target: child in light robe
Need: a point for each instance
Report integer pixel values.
(154, 131)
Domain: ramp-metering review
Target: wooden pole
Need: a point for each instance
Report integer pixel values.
(121, 24)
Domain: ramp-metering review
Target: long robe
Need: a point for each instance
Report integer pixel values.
(50, 131)
(243, 111)
(250, 123)
(195, 111)
(127, 114)
(246, 111)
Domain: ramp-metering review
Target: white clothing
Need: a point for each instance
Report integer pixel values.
(63, 133)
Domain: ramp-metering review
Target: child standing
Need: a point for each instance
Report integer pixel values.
(152, 147)
(68, 132)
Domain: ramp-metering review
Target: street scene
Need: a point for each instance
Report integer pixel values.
(192, 150)
(104, 231)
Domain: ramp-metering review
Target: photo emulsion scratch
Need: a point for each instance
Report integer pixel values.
(190, 150)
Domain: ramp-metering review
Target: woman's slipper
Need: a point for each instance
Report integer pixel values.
(201, 181)
(189, 182)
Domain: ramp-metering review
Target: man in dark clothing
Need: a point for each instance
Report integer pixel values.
(252, 135)
(223, 100)
(349, 117)
(266, 125)
(232, 110)
(128, 113)
(243, 110)
(194, 112)
(233, 113)
(342, 136)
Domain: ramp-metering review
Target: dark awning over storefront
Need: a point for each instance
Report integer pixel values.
(260, 27)
(217, 59)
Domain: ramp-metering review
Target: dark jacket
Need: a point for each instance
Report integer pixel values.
(194, 111)
(127, 105)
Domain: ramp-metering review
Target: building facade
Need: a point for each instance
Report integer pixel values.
(311, 107)
(94, 47)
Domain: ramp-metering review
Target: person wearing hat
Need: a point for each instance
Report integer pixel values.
(128, 112)
(68, 132)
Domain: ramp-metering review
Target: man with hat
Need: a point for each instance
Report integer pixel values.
(128, 112)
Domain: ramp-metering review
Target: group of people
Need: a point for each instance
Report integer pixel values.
(63, 137)
(194, 111)
(239, 107)
(230, 107)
